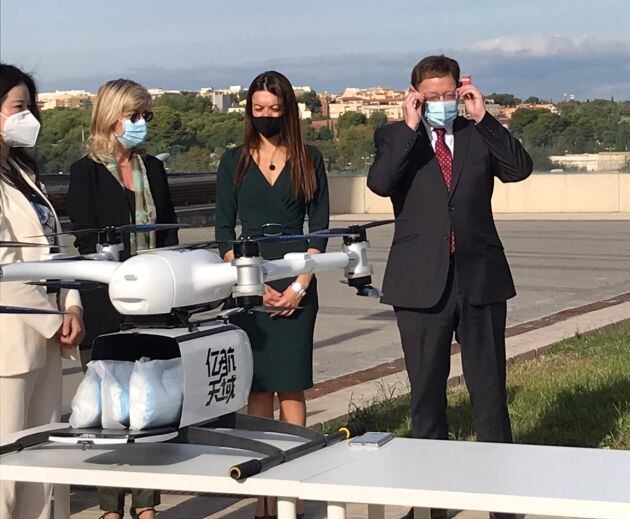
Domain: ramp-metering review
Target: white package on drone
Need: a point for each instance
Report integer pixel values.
(156, 392)
(115, 375)
(86, 404)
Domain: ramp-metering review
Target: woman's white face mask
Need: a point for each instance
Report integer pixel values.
(20, 130)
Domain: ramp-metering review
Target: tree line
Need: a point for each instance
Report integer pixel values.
(194, 135)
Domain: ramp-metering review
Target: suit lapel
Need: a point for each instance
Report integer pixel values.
(26, 206)
(461, 131)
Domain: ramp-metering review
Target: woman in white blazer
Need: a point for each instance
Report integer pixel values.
(30, 345)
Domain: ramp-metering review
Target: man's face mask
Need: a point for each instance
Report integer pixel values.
(440, 114)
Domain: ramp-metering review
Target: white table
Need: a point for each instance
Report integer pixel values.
(163, 466)
(562, 481)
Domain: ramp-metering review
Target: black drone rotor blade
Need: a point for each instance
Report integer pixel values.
(67, 284)
(263, 309)
(67, 233)
(188, 246)
(354, 229)
(129, 228)
(294, 237)
(376, 224)
(20, 244)
(273, 309)
(27, 311)
(150, 227)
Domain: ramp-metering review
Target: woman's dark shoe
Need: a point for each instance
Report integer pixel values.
(138, 515)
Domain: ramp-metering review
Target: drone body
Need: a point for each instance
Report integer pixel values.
(181, 281)
(160, 281)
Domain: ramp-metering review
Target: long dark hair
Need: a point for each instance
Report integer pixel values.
(10, 77)
(303, 181)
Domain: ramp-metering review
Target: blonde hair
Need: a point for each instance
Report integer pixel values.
(114, 98)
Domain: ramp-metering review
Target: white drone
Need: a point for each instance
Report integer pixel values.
(216, 355)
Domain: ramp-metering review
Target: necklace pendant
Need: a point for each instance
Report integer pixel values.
(272, 167)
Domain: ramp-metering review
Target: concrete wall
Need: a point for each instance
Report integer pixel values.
(541, 193)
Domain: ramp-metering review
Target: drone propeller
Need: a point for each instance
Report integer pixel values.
(22, 244)
(67, 284)
(128, 228)
(188, 246)
(263, 309)
(353, 229)
(343, 232)
(213, 244)
(20, 310)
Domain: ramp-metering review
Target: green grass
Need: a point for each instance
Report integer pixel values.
(576, 394)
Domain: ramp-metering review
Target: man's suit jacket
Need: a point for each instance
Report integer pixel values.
(95, 200)
(406, 169)
(23, 338)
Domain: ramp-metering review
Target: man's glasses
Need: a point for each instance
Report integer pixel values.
(448, 96)
(147, 116)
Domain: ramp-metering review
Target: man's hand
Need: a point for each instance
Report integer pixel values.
(72, 330)
(412, 108)
(473, 100)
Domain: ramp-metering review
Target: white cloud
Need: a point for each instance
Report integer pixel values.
(547, 45)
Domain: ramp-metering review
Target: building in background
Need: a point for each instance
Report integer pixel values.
(65, 99)
(604, 161)
(157, 92)
(367, 101)
(299, 90)
(305, 113)
(221, 102)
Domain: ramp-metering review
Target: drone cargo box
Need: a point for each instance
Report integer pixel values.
(216, 360)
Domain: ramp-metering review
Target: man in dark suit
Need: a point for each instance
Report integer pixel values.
(447, 272)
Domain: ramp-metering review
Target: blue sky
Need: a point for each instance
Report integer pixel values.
(537, 47)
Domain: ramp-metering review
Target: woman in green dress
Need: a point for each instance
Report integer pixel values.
(272, 182)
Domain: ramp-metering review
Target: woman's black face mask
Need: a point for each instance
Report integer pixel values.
(267, 126)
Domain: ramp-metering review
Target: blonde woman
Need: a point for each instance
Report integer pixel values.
(117, 183)
(30, 354)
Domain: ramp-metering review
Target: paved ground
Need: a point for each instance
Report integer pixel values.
(556, 264)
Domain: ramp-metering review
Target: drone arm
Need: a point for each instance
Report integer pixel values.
(296, 263)
(88, 270)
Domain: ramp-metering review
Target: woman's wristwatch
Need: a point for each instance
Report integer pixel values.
(298, 288)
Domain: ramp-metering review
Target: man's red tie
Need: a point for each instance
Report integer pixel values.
(445, 160)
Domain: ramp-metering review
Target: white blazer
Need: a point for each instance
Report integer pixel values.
(23, 338)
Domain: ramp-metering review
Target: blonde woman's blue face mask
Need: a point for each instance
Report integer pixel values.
(134, 133)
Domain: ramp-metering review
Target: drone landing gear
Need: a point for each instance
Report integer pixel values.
(204, 435)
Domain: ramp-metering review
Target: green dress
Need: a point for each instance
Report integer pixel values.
(282, 346)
